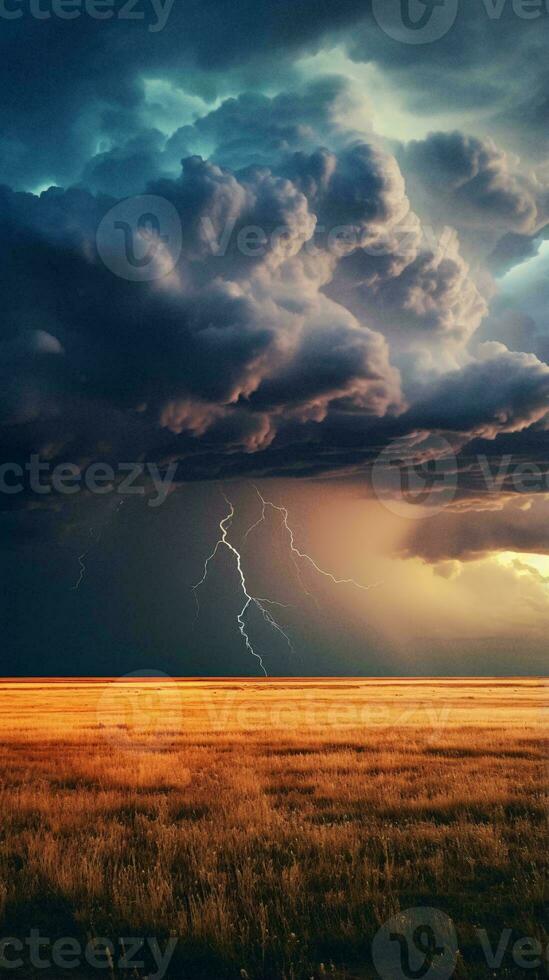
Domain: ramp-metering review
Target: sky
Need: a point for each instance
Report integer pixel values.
(275, 281)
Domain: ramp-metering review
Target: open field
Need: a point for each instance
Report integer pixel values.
(272, 827)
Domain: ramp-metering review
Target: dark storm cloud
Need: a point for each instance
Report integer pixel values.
(492, 61)
(472, 534)
(251, 129)
(256, 129)
(291, 357)
(505, 392)
(305, 355)
(230, 349)
(490, 57)
(95, 91)
(513, 249)
(473, 185)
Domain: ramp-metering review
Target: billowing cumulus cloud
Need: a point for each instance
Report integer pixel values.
(474, 185)
(503, 392)
(310, 303)
(329, 294)
(490, 66)
(231, 346)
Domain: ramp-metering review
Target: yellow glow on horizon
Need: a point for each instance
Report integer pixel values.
(539, 563)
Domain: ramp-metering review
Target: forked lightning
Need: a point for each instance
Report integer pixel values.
(250, 600)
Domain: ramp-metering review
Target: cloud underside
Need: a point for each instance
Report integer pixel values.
(332, 292)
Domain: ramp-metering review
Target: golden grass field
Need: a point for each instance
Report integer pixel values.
(272, 827)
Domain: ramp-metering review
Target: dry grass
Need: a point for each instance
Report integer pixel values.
(272, 827)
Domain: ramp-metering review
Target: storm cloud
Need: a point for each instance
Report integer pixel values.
(328, 289)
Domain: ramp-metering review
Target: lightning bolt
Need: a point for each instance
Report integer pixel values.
(296, 553)
(249, 600)
(81, 560)
(261, 521)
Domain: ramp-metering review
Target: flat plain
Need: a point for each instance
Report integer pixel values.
(272, 827)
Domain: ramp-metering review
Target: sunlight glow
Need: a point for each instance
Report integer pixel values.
(380, 102)
(538, 563)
